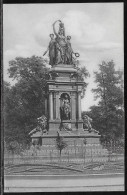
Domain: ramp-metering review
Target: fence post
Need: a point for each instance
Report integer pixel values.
(108, 143)
(82, 148)
(34, 153)
(58, 156)
(8, 158)
(50, 157)
(91, 157)
(68, 156)
(84, 153)
(116, 149)
(75, 147)
(12, 158)
(111, 150)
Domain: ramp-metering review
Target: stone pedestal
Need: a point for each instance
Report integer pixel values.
(64, 80)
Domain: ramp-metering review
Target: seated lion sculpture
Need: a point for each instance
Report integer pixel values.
(41, 125)
(87, 124)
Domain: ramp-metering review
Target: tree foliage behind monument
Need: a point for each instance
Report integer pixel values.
(108, 116)
(24, 101)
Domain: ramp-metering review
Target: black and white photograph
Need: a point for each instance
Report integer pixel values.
(63, 97)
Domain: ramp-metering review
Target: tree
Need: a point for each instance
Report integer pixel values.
(108, 116)
(60, 143)
(81, 74)
(24, 102)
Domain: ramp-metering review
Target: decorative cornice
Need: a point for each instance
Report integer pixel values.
(64, 83)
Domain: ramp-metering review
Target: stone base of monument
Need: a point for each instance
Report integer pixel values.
(73, 139)
(84, 135)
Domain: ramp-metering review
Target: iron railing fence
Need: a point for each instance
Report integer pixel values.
(109, 156)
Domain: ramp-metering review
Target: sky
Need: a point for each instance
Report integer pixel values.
(96, 31)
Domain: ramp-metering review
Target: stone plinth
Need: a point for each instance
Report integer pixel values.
(91, 138)
(64, 80)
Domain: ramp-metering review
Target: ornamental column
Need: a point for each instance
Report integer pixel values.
(73, 106)
(57, 106)
(51, 105)
(46, 107)
(79, 105)
(54, 105)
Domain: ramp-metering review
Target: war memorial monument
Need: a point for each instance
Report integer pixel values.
(63, 102)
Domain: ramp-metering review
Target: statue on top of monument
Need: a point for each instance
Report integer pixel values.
(60, 50)
(51, 48)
